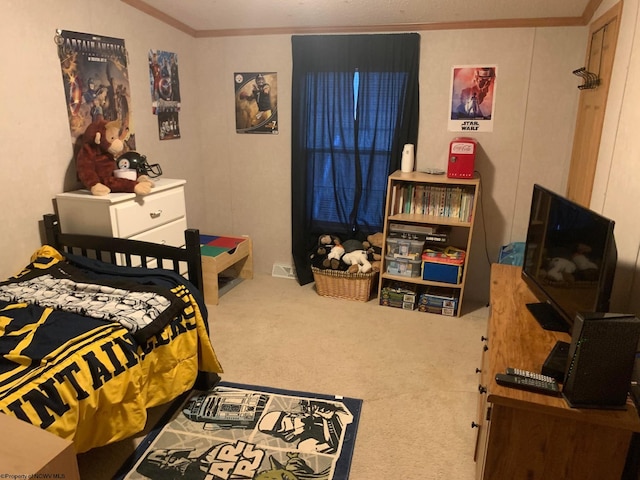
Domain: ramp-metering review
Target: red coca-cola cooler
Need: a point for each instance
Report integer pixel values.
(462, 157)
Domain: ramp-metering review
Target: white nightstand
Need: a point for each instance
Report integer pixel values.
(159, 217)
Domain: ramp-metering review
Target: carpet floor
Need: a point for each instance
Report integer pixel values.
(415, 373)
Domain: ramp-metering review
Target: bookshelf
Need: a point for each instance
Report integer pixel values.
(443, 210)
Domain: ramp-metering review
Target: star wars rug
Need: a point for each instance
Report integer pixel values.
(246, 432)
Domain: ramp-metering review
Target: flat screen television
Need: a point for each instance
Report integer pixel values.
(569, 260)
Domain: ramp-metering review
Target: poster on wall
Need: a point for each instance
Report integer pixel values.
(472, 99)
(168, 125)
(165, 81)
(165, 92)
(256, 97)
(96, 82)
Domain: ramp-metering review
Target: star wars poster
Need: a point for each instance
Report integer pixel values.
(256, 97)
(472, 98)
(96, 82)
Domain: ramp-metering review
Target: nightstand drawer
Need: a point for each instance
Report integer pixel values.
(171, 234)
(150, 212)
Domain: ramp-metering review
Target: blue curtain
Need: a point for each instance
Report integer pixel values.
(355, 103)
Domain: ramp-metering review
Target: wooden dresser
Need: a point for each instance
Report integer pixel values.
(523, 435)
(159, 217)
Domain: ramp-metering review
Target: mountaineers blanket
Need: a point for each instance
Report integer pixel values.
(85, 349)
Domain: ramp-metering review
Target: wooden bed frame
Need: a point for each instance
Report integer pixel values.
(131, 252)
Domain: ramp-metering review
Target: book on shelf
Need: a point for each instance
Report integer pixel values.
(443, 201)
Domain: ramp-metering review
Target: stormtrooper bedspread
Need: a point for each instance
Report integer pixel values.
(142, 309)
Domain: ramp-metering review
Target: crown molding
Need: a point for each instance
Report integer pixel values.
(582, 20)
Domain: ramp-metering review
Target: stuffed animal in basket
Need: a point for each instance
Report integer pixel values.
(325, 244)
(348, 255)
(358, 261)
(95, 162)
(334, 257)
(373, 246)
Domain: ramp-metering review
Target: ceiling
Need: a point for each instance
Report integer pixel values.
(202, 18)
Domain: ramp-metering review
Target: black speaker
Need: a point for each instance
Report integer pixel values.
(600, 361)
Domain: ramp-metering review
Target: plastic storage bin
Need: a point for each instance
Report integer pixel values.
(443, 265)
(441, 272)
(403, 267)
(404, 247)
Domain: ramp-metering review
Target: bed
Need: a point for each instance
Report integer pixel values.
(92, 333)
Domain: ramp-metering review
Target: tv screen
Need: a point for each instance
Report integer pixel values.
(569, 260)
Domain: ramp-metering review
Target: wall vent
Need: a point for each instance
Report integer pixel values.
(281, 270)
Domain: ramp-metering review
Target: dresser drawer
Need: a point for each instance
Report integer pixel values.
(146, 213)
(171, 234)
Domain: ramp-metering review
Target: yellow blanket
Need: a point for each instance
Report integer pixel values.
(89, 380)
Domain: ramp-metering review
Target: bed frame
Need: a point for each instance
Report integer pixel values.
(136, 252)
(132, 252)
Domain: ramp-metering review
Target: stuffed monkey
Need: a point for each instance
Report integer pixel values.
(95, 162)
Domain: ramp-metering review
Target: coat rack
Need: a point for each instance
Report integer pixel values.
(591, 80)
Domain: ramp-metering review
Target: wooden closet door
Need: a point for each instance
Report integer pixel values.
(603, 36)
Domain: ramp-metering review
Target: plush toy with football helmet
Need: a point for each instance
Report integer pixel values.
(95, 161)
(135, 161)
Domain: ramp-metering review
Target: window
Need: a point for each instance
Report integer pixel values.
(355, 104)
(351, 163)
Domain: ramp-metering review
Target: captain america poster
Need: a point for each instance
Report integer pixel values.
(96, 82)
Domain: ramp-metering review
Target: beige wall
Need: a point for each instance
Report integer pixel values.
(617, 186)
(531, 142)
(36, 153)
(240, 184)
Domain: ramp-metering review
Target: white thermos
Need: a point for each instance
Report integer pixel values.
(407, 158)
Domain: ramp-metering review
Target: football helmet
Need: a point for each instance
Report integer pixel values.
(138, 162)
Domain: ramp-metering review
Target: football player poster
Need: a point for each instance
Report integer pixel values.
(96, 82)
(472, 98)
(256, 97)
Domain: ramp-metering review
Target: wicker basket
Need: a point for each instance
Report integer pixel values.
(339, 284)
